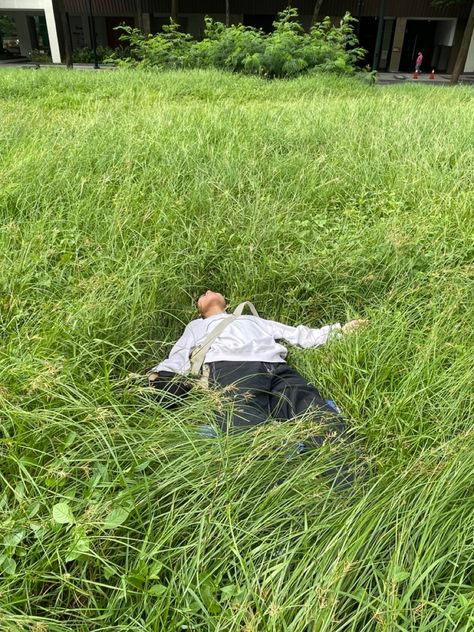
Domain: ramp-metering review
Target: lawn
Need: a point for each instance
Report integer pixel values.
(123, 196)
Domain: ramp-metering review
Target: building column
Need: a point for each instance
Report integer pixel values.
(146, 23)
(469, 67)
(23, 32)
(400, 27)
(86, 29)
(387, 36)
(52, 33)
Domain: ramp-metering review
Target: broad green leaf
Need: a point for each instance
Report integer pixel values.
(157, 589)
(155, 569)
(12, 539)
(19, 491)
(62, 513)
(208, 595)
(141, 466)
(232, 590)
(464, 601)
(33, 509)
(37, 529)
(109, 572)
(7, 564)
(70, 438)
(115, 518)
(360, 595)
(137, 581)
(80, 545)
(399, 575)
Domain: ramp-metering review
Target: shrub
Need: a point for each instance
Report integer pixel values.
(40, 56)
(86, 55)
(286, 52)
(170, 49)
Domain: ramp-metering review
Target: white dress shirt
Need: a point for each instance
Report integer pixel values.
(246, 339)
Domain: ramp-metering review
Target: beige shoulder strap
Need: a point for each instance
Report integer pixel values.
(198, 354)
(240, 308)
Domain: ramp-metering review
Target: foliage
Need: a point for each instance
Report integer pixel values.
(40, 56)
(170, 49)
(125, 194)
(86, 55)
(82, 55)
(7, 29)
(7, 25)
(286, 52)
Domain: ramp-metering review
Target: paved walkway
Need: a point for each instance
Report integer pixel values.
(387, 78)
(25, 63)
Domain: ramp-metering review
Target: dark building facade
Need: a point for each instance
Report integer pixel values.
(408, 25)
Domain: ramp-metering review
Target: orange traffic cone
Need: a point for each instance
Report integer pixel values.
(415, 74)
(432, 75)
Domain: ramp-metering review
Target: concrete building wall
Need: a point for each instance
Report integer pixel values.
(444, 38)
(397, 45)
(442, 44)
(445, 30)
(23, 33)
(100, 31)
(470, 58)
(195, 21)
(78, 34)
(386, 40)
(20, 8)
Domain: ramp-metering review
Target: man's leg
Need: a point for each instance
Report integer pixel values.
(247, 385)
(292, 396)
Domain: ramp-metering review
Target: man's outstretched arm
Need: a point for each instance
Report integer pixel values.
(307, 337)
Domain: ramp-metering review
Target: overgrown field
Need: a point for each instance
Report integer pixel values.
(123, 196)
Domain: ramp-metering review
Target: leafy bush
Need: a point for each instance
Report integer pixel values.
(40, 56)
(86, 55)
(286, 52)
(7, 26)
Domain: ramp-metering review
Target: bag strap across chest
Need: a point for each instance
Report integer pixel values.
(198, 354)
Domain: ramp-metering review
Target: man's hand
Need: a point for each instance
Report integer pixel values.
(152, 376)
(352, 325)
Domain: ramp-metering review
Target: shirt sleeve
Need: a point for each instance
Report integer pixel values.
(304, 337)
(178, 359)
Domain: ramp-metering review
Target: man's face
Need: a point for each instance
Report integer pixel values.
(210, 300)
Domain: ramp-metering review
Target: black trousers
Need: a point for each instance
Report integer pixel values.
(259, 391)
(263, 390)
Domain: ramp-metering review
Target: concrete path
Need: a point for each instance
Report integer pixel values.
(25, 63)
(391, 78)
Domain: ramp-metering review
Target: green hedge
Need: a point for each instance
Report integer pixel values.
(286, 52)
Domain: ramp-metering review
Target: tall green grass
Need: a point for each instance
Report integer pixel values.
(122, 196)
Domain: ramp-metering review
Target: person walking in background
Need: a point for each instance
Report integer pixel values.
(419, 61)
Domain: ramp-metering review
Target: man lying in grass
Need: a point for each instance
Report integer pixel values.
(247, 361)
